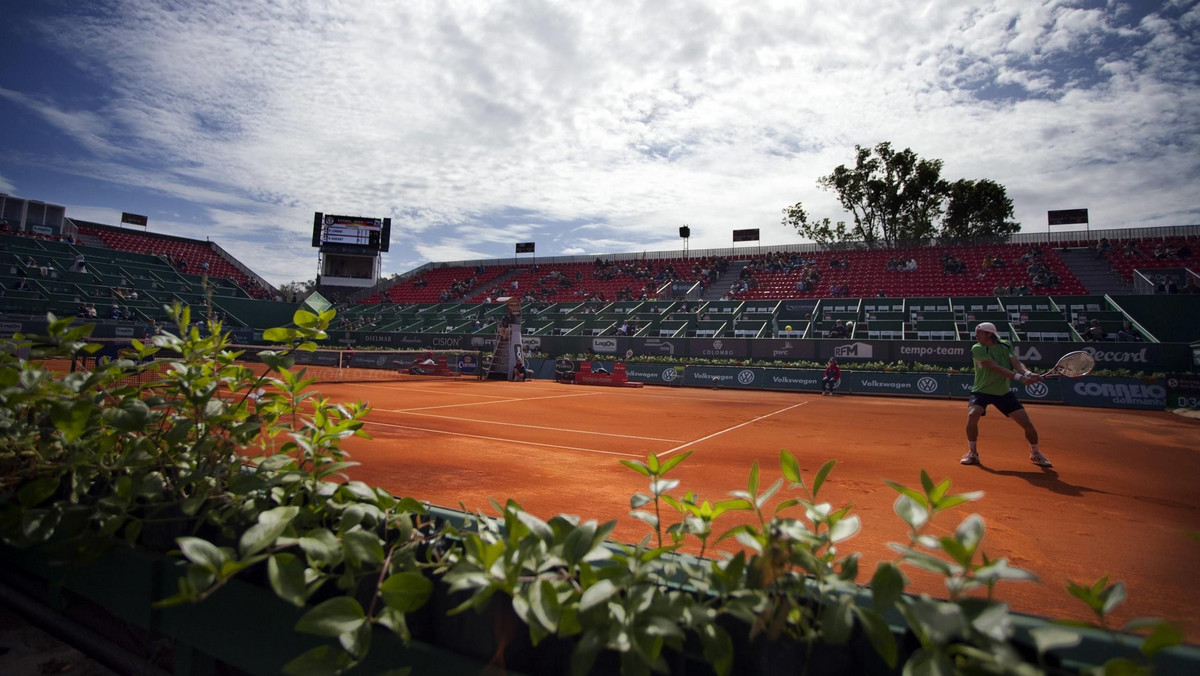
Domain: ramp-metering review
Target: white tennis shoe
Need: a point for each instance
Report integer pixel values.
(971, 458)
(1038, 459)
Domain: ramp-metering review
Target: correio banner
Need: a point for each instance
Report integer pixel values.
(741, 377)
(913, 384)
(1049, 391)
(1148, 394)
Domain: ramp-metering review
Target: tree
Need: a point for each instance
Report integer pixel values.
(897, 196)
(296, 291)
(977, 208)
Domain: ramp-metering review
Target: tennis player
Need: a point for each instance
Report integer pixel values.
(995, 365)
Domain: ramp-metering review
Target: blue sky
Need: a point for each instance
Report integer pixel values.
(584, 127)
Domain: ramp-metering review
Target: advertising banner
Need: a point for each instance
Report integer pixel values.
(1183, 390)
(854, 350)
(659, 347)
(654, 374)
(918, 384)
(740, 377)
(802, 380)
(783, 348)
(1047, 391)
(719, 348)
(1139, 393)
(941, 353)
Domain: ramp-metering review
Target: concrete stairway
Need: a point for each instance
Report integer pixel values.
(1095, 273)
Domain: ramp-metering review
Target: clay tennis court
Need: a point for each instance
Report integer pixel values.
(1120, 501)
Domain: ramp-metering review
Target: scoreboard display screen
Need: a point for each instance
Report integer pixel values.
(352, 231)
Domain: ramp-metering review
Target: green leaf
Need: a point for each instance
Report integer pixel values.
(406, 591)
(752, 484)
(271, 524)
(879, 633)
(71, 419)
(670, 463)
(1165, 635)
(790, 467)
(202, 552)
(357, 641)
(821, 475)
(35, 492)
(332, 618)
(912, 511)
(544, 604)
(286, 573)
(838, 620)
(278, 335)
(596, 594)
(1048, 638)
(887, 585)
(535, 525)
(320, 661)
(363, 547)
(1112, 597)
(638, 467)
(128, 416)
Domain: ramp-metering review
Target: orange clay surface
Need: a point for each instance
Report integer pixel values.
(1120, 501)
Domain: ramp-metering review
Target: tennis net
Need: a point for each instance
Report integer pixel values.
(330, 365)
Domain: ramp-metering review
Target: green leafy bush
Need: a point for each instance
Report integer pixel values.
(179, 445)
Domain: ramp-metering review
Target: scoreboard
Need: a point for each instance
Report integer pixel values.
(351, 233)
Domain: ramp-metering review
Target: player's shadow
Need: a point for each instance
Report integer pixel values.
(1044, 478)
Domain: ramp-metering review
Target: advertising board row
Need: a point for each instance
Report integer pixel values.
(1166, 357)
(1135, 393)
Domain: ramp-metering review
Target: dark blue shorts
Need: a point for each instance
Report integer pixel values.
(1005, 403)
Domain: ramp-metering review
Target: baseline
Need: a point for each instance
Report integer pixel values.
(502, 439)
(729, 429)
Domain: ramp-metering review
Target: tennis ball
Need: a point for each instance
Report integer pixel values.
(788, 327)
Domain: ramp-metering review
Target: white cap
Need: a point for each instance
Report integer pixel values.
(989, 327)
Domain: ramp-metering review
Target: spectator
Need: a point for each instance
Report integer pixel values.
(1128, 333)
(1095, 331)
(832, 375)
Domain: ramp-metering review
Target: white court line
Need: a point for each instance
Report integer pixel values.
(501, 401)
(413, 389)
(532, 427)
(508, 441)
(728, 429)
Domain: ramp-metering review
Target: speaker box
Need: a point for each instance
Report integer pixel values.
(685, 231)
(317, 219)
(385, 236)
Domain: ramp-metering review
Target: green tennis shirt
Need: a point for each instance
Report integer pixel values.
(988, 381)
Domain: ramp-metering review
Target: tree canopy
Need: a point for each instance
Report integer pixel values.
(897, 195)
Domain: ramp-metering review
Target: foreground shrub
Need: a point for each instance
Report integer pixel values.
(179, 446)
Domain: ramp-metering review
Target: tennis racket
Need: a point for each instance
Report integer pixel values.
(1072, 365)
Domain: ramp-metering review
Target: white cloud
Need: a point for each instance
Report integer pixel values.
(631, 118)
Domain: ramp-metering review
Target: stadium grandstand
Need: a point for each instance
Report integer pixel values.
(1047, 287)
